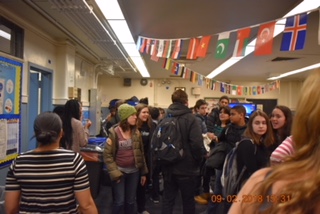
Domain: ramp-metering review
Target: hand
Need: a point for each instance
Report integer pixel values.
(211, 135)
(88, 124)
(143, 180)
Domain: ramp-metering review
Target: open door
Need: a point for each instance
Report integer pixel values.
(40, 97)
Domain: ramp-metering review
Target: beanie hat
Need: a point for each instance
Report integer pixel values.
(125, 111)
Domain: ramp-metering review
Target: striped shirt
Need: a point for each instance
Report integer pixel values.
(48, 180)
(284, 150)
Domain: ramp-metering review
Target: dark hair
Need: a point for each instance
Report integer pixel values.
(47, 127)
(154, 112)
(199, 103)
(286, 130)
(224, 97)
(267, 137)
(125, 126)
(60, 111)
(225, 109)
(71, 110)
(240, 109)
(179, 96)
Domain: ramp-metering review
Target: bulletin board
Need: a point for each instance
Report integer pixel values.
(10, 110)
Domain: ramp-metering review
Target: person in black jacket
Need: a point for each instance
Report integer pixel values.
(181, 175)
(213, 117)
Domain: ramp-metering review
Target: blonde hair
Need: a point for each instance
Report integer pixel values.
(300, 173)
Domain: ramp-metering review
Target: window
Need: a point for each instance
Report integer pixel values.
(11, 38)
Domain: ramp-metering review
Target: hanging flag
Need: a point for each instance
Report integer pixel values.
(242, 42)
(203, 46)
(222, 87)
(166, 49)
(214, 85)
(258, 89)
(200, 80)
(175, 68)
(264, 41)
(250, 90)
(187, 75)
(254, 90)
(160, 48)
(222, 45)
(154, 51)
(143, 45)
(148, 46)
(234, 90)
(176, 50)
(169, 49)
(294, 34)
(245, 91)
(139, 42)
(239, 91)
(193, 45)
(168, 63)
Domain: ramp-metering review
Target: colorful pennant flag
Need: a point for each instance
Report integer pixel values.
(222, 87)
(148, 46)
(242, 42)
(264, 41)
(175, 68)
(166, 48)
(154, 51)
(294, 34)
(234, 90)
(239, 91)
(160, 48)
(176, 50)
(222, 45)
(143, 45)
(169, 49)
(203, 46)
(193, 45)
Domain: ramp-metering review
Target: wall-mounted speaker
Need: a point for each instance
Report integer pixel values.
(127, 82)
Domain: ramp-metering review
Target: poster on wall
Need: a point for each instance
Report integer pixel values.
(10, 115)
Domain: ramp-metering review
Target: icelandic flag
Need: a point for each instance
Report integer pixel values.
(294, 34)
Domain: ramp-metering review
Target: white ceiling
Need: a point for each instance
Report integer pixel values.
(170, 19)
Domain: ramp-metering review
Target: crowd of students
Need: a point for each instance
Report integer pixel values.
(280, 165)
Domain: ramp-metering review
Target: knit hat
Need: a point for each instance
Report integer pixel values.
(125, 111)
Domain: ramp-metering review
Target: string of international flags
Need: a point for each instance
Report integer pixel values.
(293, 38)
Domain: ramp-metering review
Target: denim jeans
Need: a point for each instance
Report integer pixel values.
(124, 193)
(172, 185)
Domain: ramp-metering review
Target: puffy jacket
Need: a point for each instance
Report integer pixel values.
(110, 153)
(192, 141)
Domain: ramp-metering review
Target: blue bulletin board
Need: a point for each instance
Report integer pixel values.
(10, 110)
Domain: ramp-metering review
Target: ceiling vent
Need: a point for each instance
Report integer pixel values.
(278, 59)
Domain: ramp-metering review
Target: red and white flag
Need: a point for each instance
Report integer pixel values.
(176, 49)
(264, 41)
(242, 42)
(193, 45)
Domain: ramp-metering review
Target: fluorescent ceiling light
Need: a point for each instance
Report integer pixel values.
(304, 6)
(295, 71)
(121, 29)
(5, 35)
(112, 11)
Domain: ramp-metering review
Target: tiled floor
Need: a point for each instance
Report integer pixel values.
(104, 203)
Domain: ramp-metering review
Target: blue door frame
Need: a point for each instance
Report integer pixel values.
(40, 97)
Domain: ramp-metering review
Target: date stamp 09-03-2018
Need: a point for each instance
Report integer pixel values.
(251, 198)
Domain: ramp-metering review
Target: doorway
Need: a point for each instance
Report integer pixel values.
(40, 96)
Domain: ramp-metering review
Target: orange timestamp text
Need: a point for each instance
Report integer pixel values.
(251, 198)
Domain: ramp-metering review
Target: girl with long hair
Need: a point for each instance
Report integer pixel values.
(293, 186)
(75, 134)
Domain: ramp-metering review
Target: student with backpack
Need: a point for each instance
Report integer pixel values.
(249, 155)
(226, 141)
(179, 175)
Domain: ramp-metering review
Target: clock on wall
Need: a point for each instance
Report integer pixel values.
(143, 82)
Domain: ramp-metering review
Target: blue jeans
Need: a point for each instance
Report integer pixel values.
(124, 193)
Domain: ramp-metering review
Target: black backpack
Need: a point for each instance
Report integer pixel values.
(231, 179)
(166, 142)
